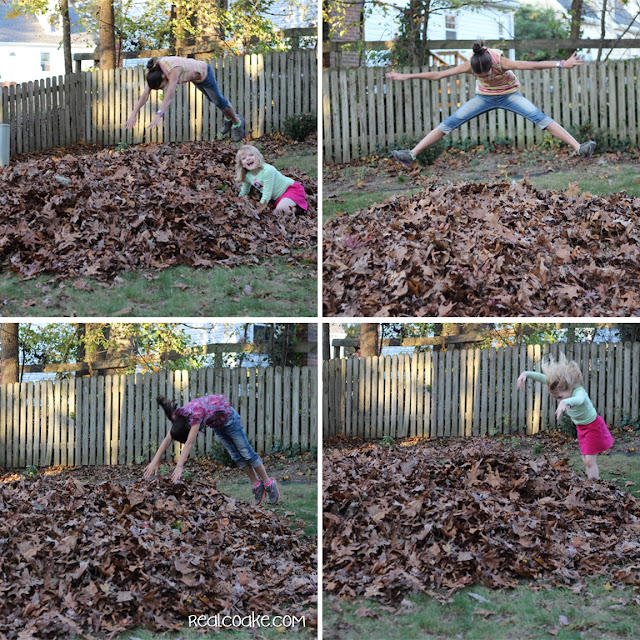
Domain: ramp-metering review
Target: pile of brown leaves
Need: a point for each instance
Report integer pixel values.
(447, 516)
(78, 558)
(147, 207)
(499, 249)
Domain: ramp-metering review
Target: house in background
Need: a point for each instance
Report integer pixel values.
(620, 22)
(31, 46)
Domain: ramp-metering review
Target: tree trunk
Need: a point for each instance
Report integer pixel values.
(107, 35)
(66, 36)
(10, 369)
(369, 339)
(576, 18)
(603, 26)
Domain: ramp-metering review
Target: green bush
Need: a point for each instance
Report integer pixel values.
(221, 455)
(301, 126)
(587, 131)
(567, 426)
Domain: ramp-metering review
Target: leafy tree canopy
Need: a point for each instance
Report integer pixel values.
(534, 22)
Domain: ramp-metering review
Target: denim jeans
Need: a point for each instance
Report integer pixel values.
(481, 104)
(234, 440)
(210, 89)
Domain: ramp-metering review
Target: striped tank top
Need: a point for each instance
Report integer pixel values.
(190, 70)
(503, 82)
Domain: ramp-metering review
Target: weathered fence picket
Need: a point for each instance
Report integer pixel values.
(365, 112)
(93, 106)
(110, 420)
(470, 391)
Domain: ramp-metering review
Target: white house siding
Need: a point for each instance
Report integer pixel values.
(286, 16)
(470, 25)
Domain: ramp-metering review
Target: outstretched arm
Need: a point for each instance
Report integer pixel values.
(152, 467)
(465, 67)
(131, 121)
(512, 65)
(169, 93)
(186, 450)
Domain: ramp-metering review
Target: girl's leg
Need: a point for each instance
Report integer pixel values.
(431, 138)
(230, 114)
(286, 205)
(562, 134)
(591, 466)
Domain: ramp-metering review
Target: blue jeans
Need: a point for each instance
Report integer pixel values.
(481, 104)
(235, 441)
(210, 89)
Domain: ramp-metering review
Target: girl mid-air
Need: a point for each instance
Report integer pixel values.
(213, 412)
(564, 380)
(167, 73)
(253, 171)
(497, 88)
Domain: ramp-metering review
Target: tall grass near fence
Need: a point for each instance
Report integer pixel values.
(366, 113)
(470, 392)
(109, 420)
(93, 106)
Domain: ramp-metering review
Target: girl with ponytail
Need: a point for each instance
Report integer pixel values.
(166, 73)
(497, 88)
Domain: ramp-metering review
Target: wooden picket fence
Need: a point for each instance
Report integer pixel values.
(365, 113)
(92, 107)
(470, 392)
(109, 420)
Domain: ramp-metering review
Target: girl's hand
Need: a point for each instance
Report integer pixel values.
(152, 469)
(562, 407)
(155, 122)
(396, 76)
(522, 379)
(572, 61)
(177, 474)
(130, 123)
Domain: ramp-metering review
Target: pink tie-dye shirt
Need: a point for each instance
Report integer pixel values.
(208, 411)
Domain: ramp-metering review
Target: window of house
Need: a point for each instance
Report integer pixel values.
(45, 61)
(450, 27)
(261, 332)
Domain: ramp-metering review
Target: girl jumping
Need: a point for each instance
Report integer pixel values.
(497, 88)
(564, 379)
(166, 73)
(253, 171)
(216, 413)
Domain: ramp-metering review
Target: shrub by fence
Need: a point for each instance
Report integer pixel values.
(92, 107)
(365, 113)
(108, 420)
(470, 392)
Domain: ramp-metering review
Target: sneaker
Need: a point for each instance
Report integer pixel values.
(258, 494)
(586, 149)
(226, 127)
(404, 157)
(272, 492)
(238, 130)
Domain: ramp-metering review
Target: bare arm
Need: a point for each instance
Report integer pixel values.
(186, 450)
(152, 467)
(129, 124)
(169, 93)
(465, 67)
(513, 65)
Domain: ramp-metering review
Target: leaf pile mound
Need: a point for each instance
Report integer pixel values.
(419, 519)
(77, 558)
(486, 250)
(147, 207)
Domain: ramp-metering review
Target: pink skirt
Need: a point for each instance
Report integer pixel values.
(296, 193)
(594, 438)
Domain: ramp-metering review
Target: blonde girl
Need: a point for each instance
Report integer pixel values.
(253, 171)
(564, 380)
(497, 88)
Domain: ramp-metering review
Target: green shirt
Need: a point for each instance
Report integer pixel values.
(580, 409)
(269, 181)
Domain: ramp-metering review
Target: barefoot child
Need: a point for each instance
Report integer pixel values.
(564, 380)
(253, 171)
(167, 73)
(497, 88)
(216, 413)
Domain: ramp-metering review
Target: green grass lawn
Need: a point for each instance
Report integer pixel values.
(601, 181)
(274, 288)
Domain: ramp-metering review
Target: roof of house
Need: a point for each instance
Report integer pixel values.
(26, 29)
